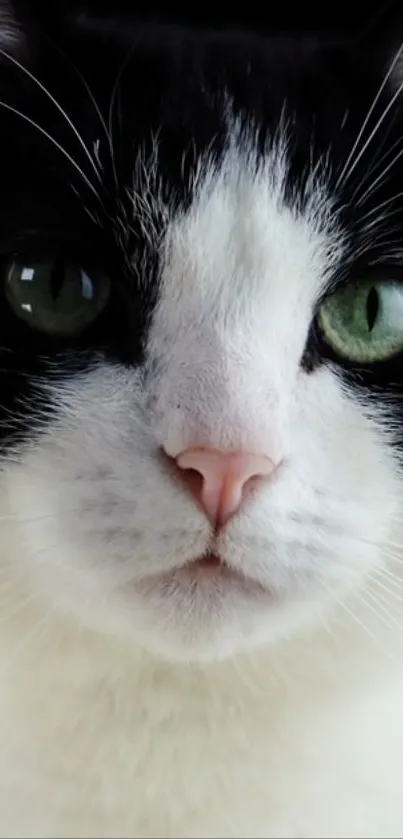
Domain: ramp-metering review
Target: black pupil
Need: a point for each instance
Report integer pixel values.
(57, 277)
(372, 308)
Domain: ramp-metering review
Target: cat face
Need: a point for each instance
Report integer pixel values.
(200, 253)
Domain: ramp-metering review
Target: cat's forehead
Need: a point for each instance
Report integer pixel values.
(242, 259)
(240, 225)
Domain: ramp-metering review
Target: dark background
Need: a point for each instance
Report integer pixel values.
(353, 18)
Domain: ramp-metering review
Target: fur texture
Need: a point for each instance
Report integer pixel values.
(226, 184)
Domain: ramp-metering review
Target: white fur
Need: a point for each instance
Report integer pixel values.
(136, 704)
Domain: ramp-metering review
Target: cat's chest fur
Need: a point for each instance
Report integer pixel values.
(156, 750)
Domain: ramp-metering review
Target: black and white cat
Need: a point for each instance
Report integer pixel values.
(201, 397)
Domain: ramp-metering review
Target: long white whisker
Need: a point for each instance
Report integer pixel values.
(389, 621)
(58, 106)
(390, 554)
(345, 175)
(55, 143)
(392, 578)
(95, 106)
(379, 207)
(93, 100)
(387, 589)
(102, 121)
(380, 177)
(351, 614)
(111, 107)
(377, 161)
(84, 82)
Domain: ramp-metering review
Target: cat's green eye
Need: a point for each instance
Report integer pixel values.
(364, 322)
(55, 296)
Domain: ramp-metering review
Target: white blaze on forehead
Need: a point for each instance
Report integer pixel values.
(243, 270)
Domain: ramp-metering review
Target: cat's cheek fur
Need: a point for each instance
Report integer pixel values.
(94, 516)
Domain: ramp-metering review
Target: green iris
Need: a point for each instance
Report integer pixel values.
(364, 322)
(54, 295)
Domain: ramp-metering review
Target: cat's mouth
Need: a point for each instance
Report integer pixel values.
(213, 569)
(209, 573)
(208, 562)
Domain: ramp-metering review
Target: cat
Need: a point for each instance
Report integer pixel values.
(201, 380)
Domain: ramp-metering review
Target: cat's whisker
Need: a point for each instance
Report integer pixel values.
(392, 579)
(378, 216)
(55, 143)
(352, 615)
(381, 543)
(61, 110)
(395, 558)
(104, 127)
(373, 187)
(111, 110)
(387, 589)
(383, 548)
(90, 94)
(353, 158)
(93, 216)
(374, 167)
(378, 609)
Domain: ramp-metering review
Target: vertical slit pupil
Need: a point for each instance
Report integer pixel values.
(372, 308)
(57, 277)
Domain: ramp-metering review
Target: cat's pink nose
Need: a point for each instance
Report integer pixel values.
(221, 481)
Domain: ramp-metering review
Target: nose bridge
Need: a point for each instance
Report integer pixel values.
(219, 400)
(215, 390)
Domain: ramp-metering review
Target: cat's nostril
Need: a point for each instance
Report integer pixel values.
(194, 481)
(220, 481)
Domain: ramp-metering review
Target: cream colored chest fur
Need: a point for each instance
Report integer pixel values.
(99, 741)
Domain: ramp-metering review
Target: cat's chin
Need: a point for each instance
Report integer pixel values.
(203, 610)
